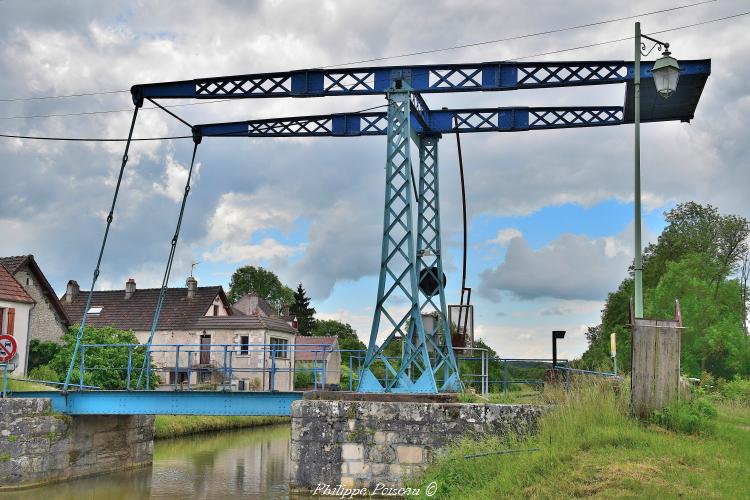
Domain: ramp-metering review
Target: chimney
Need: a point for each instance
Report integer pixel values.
(129, 288)
(71, 292)
(192, 286)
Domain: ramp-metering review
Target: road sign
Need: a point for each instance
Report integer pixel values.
(8, 348)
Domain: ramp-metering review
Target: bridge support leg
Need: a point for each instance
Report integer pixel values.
(430, 268)
(401, 363)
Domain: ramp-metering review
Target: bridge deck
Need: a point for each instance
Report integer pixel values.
(167, 402)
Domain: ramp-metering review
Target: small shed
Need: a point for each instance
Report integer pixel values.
(318, 353)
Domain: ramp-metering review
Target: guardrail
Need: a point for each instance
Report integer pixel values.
(274, 366)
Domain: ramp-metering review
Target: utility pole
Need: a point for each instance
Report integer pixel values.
(637, 188)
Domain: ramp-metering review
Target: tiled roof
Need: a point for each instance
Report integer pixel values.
(136, 313)
(309, 352)
(11, 290)
(243, 322)
(15, 263)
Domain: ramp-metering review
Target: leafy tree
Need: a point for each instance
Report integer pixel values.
(695, 260)
(262, 282)
(347, 336)
(40, 353)
(301, 309)
(105, 367)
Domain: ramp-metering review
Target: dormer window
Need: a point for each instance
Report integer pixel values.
(95, 310)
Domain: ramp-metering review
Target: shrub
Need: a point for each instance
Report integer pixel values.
(41, 353)
(44, 372)
(737, 390)
(303, 379)
(696, 416)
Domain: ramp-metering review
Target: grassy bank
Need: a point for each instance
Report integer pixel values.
(169, 426)
(589, 446)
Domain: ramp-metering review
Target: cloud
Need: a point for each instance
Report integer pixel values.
(504, 236)
(570, 267)
(172, 184)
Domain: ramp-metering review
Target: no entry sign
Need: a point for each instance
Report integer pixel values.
(8, 348)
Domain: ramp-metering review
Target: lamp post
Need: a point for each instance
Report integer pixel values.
(666, 73)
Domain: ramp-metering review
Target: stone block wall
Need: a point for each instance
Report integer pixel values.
(359, 444)
(37, 446)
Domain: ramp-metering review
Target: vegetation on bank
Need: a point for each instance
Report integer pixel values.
(169, 426)
(701, 258)
(589, 445)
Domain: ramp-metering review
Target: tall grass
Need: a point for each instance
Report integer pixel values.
(168, 426)
(591, 446)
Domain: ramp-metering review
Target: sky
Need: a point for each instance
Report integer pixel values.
(550, 212)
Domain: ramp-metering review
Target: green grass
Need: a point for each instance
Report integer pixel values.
(168, 426)
(591, 447)
(20, 385)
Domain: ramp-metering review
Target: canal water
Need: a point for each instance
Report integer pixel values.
(247, 464)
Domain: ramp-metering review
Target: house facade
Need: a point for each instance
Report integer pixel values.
(193, 316)
(15, 315)
(49, 322)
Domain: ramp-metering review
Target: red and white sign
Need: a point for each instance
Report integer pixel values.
(8, 348)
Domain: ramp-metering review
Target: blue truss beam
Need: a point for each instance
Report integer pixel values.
(424, 120)
(488, 76)
(168, 402)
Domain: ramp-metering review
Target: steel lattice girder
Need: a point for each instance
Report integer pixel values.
(488, 76)
(397, 284)
(434, 121)
(430, 263)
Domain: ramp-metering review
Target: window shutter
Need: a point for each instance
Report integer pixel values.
(11, 319)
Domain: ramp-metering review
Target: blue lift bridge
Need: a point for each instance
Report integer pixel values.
(411, 267)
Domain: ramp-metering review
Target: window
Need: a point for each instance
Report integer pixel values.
(181, 376)
(7, 320)
(95, 309)
(280, 348)
(244, 341)
(216, 310)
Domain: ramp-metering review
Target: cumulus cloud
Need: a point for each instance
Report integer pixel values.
(570, 267)
(505, 235)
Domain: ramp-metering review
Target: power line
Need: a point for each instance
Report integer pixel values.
(733, 16)
(97, 139)
(519, 37)
(408, 54)
(129, 110)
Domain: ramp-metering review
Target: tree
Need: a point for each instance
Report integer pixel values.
(262, 282)
(41, 353)
(301, 310)
(105, 367)
(347, 336)
(695, 260)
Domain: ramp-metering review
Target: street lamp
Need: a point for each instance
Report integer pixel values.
(666, 73)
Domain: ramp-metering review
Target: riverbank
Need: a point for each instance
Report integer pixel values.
(590, 446)
(170, 426)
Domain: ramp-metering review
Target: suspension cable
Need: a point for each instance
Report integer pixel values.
(170, 260)
(110, 217)
(463, 204)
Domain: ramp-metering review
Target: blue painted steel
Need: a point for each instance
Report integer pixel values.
(397, 283)
(5, 378)
(168, 402)
(488, 76)
(436, 121)
(430, 262)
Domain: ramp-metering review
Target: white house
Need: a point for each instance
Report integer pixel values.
(15, 314)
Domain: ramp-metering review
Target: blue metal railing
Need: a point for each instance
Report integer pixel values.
(5, 378)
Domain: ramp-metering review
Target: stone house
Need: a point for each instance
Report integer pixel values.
(15, 317)
(194, 316)
(310, 354)
(49, 322)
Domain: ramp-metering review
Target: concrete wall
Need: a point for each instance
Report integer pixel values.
(38, 447)
(358, 444)
(46, 324)
(21, 335)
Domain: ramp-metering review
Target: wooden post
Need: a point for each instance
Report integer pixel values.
(655, 368)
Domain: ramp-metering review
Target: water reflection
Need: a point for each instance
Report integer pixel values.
(248, 464)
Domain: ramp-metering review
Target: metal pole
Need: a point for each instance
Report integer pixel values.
(638, 266)
(83, 361)
(5, 380)
(130, 364)
(505, 376)
(176, 367)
